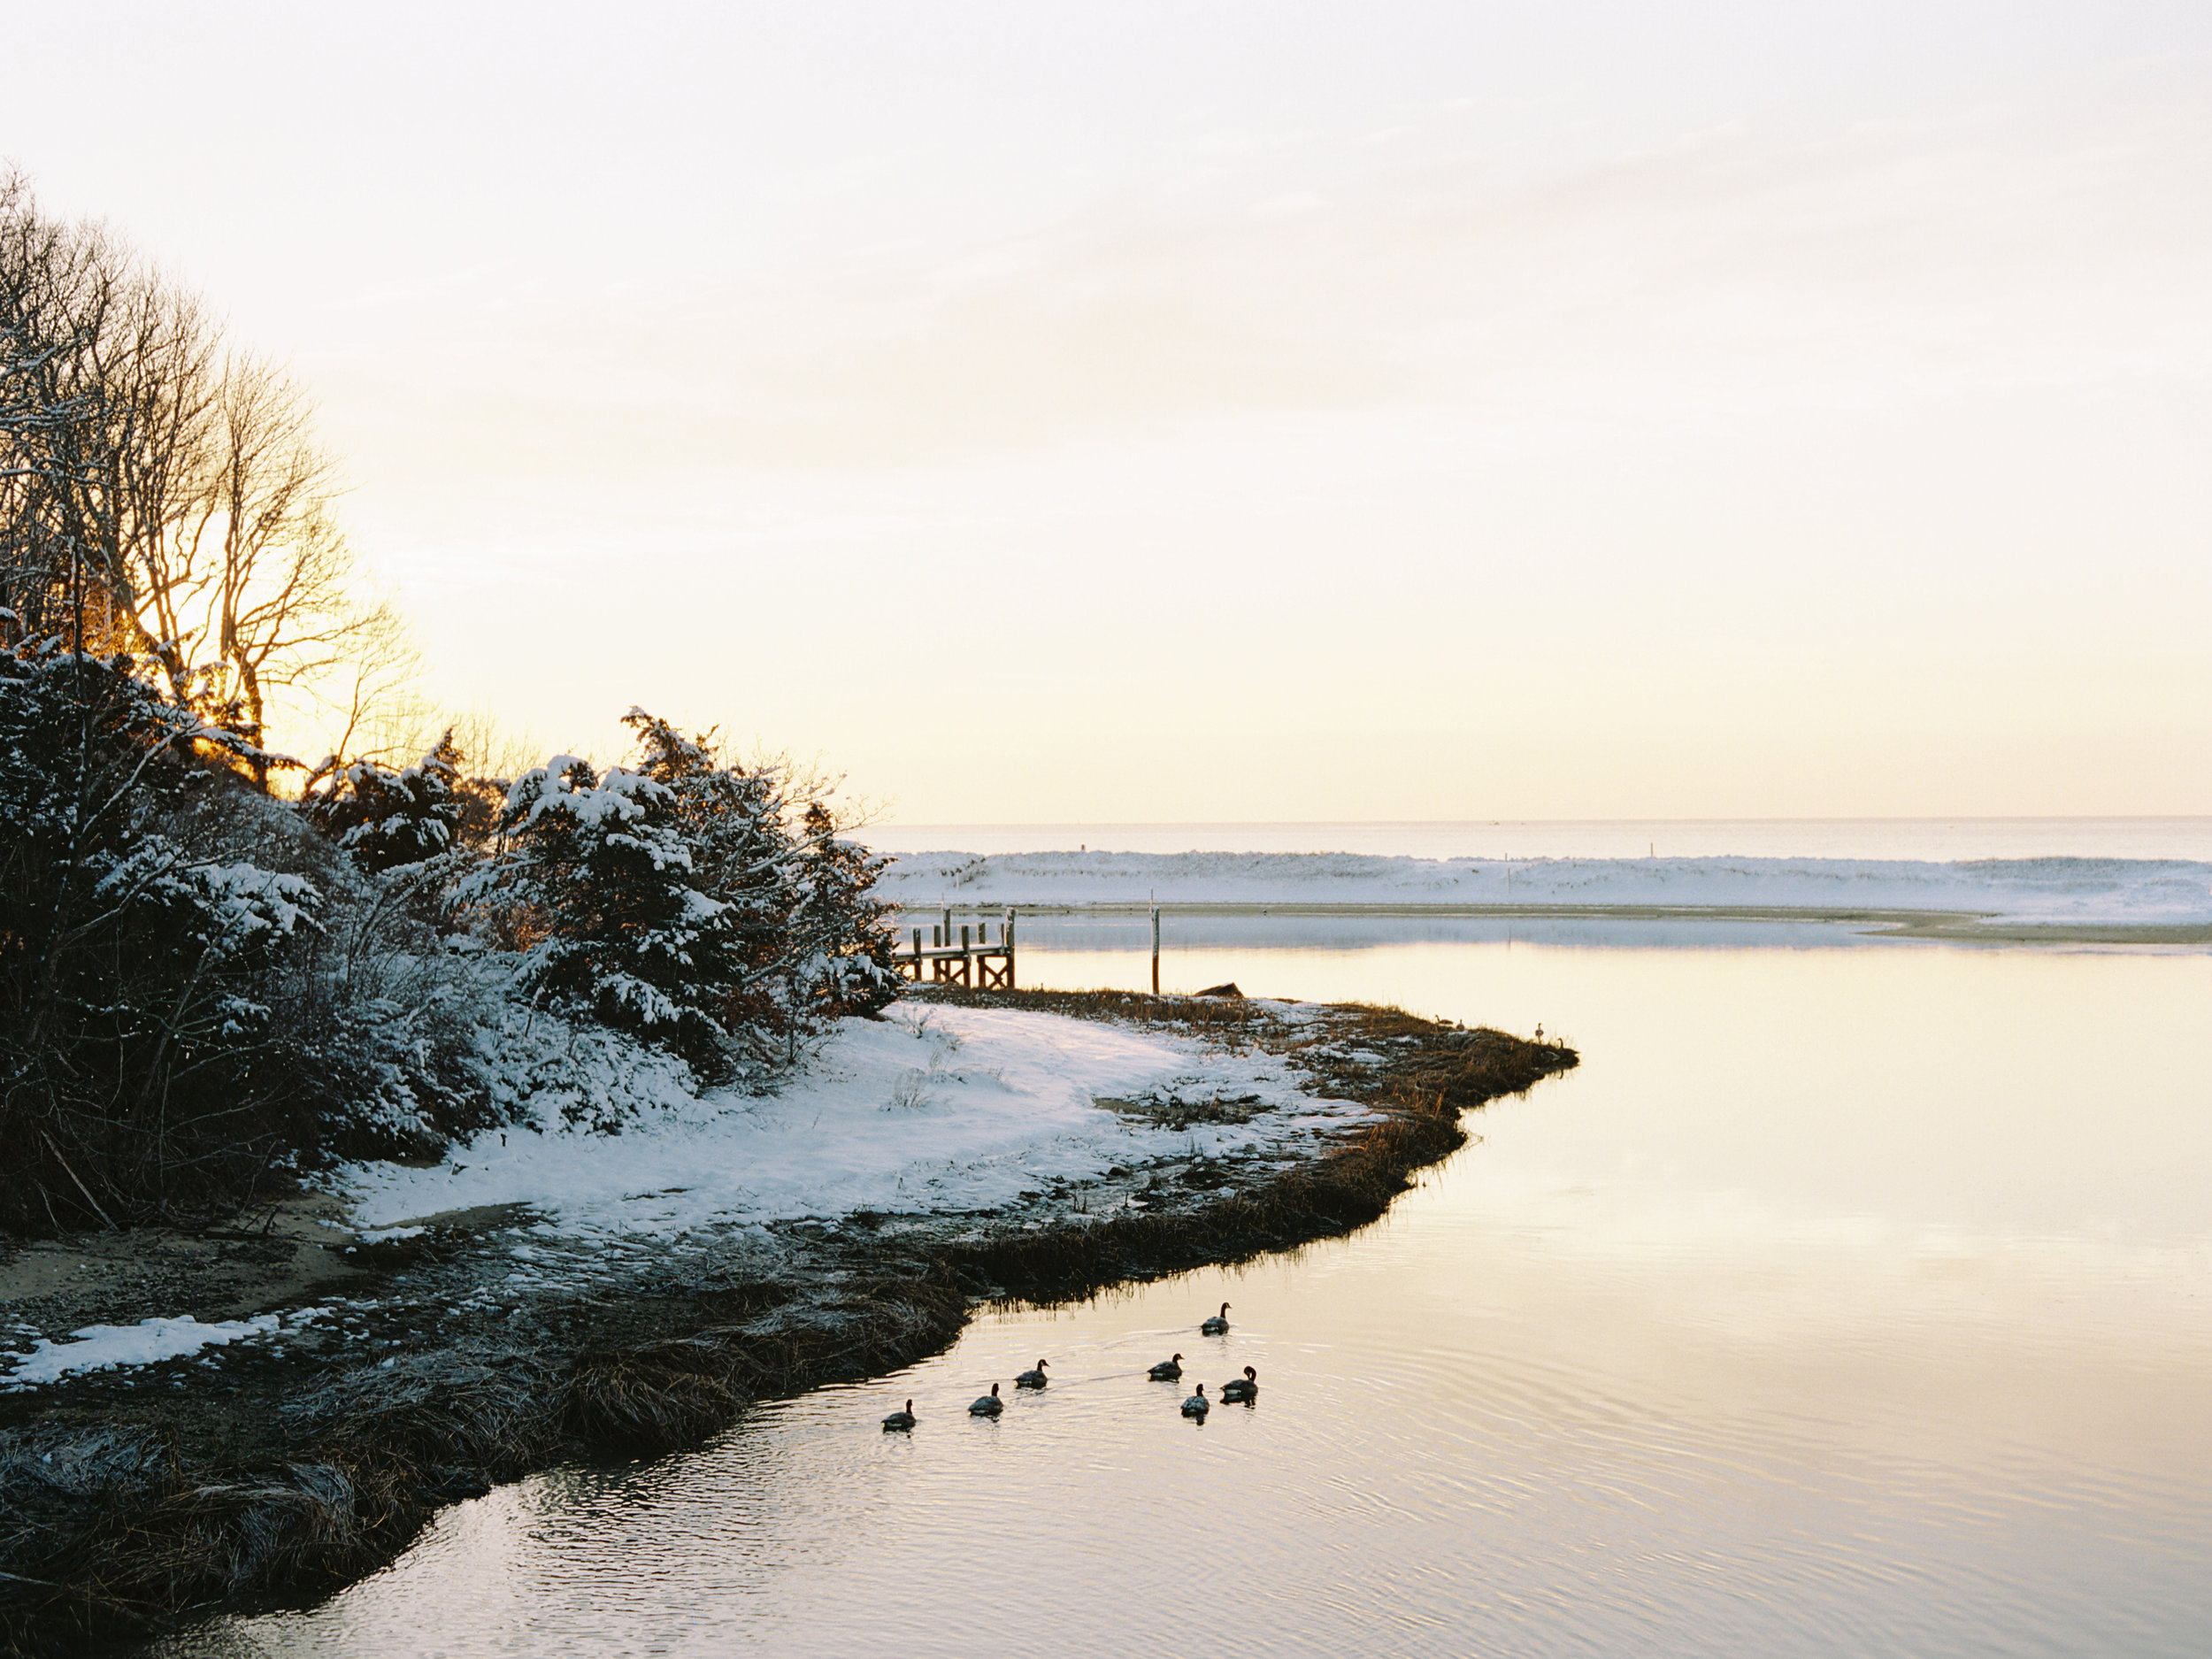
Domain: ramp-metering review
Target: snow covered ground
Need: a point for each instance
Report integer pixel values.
(109, 1346)
(2080, 891)
(936, 1109)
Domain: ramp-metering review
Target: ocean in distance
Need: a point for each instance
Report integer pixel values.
(1929, 839)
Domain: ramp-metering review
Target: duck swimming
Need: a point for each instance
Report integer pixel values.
(989, 1406)
(1167, 1370)
(1032, 1378)
(1218, 1325)
(900, 1419)
(1245, 1388)
(1197, 1405)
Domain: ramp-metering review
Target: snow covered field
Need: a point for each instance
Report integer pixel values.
(2077, 891)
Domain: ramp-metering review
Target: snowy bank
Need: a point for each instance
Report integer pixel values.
(149, 1342)
(2127, 892)
(936, 1109)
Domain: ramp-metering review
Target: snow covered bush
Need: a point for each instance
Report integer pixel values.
(674, 899)
(195, 989)
(200, 984)
(385, 818)
(622, 929)
(135, 1034)
(842, 929)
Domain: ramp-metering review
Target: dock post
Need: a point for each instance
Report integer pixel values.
(1006, 932)
(1155, 950)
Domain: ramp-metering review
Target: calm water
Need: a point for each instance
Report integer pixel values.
(1852, 1298)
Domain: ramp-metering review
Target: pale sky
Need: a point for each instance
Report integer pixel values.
(1198, 412)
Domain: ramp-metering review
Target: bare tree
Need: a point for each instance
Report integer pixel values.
(166, 498)
(42, 335)
(374, 703)
(282, 611)
(119, 364)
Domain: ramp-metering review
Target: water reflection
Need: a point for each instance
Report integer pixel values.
(1845, 1300)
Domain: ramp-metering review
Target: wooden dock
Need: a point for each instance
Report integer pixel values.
(975, 964)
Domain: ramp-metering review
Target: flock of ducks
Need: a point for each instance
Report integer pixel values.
(1237, 1391)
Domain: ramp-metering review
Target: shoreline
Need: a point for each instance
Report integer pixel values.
(1968, 926)
(183, 1489)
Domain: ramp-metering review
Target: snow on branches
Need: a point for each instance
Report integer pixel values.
(679, 900)
(387, 819)
(137, 948)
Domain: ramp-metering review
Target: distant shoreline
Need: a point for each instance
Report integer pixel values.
(2184, 836)
(1987, 926)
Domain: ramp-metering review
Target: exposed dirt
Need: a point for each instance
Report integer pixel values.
(279, 1470)
(278, 1255)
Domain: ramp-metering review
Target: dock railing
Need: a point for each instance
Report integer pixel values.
(974, 962)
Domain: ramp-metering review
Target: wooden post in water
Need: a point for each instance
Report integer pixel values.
(1006, 932)
(1155, 950)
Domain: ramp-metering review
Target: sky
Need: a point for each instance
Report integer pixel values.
(1199, 412)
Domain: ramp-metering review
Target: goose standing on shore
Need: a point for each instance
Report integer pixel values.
(1218, 1325)
(989, 1406)
(1032, 1378)
(1197, 1405)
(900, 1419)
(1245, 1388)
(1167, 1370)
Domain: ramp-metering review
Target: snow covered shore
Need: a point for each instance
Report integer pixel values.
(936, 1109)
(149, 1342)
(2115, 892)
